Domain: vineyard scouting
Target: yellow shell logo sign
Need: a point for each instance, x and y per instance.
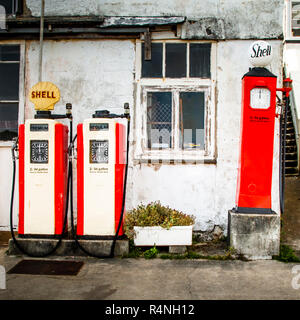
(44, 95)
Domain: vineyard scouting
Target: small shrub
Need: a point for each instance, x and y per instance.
(151, 253)
(286, 254)
(154, 214)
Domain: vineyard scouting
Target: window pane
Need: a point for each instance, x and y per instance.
(9, 53)
(8, 120)
(191, 121)
(152, 68)
(9, 81)
(7, 4)
(200, 60)
(159, 120)
(175, 60)
(295, 18)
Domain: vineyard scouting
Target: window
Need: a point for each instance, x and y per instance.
(11, 6)
(295, 21)
(175, 101)
(9, 90)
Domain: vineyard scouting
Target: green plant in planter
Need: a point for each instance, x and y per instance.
(155, 214)
(151, 253)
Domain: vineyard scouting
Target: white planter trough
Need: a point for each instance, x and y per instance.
(158, 236)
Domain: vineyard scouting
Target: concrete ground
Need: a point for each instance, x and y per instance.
(143, 279)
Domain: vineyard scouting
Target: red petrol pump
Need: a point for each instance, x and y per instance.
(257, 141)
(102, 166)
(257, 133)
(42, 147)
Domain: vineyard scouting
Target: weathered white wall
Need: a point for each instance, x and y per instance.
(207, 190)
(100, 75)
(247, 19)
(291, 60)
(6, 169)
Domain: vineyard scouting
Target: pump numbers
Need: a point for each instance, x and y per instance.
(39, 151)
(98, 151)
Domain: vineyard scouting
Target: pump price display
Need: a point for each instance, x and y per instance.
(98, 126)
(260, 98)
(38, 127)
(39, 151)
(98, 151)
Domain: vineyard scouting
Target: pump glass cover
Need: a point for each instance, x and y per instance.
(260, 98)
(39, 151)
(98, 151)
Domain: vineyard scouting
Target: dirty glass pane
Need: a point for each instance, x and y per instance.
(152, 68)
(159, 120)
(8, 120)
(200, 60)
(191, 120)
(9, 81)
(175, 60)
(9, 53)
(295, 18)
(8, 5)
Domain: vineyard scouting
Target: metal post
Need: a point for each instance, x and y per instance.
(41, 40)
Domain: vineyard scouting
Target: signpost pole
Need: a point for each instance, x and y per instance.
(41, 40)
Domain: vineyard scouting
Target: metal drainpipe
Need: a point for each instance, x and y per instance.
(41, 40)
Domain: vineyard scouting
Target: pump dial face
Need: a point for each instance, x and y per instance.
(98, 151)
(39, 151)
(260, 98)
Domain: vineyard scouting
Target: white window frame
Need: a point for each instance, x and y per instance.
(288, 21)
(21, 101)
(143, 85)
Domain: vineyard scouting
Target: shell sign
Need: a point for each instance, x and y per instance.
(44, 95)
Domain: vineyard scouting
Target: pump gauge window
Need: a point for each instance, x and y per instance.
(98, 151)
(260, 98)
(39, 151)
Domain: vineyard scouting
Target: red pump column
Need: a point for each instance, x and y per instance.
(257, 141)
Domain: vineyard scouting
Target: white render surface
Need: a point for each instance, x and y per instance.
(291, 60)
(99, 74)
(175, 236)
(236, 19)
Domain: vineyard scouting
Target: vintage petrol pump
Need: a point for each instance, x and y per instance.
(101, 159)
(43, 167)
(257, 134)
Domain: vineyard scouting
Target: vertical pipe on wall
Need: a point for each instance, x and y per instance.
(41, 40)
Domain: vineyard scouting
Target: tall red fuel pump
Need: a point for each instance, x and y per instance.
(257, 133)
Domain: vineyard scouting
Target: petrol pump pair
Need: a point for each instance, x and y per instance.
(46, 180)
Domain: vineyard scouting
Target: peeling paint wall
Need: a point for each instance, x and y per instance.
(99, 74)
(292, 64)
(235, 19)
(207, 190)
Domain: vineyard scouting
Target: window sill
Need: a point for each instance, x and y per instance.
(174, 161)
(175, 158)
(6, 144)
